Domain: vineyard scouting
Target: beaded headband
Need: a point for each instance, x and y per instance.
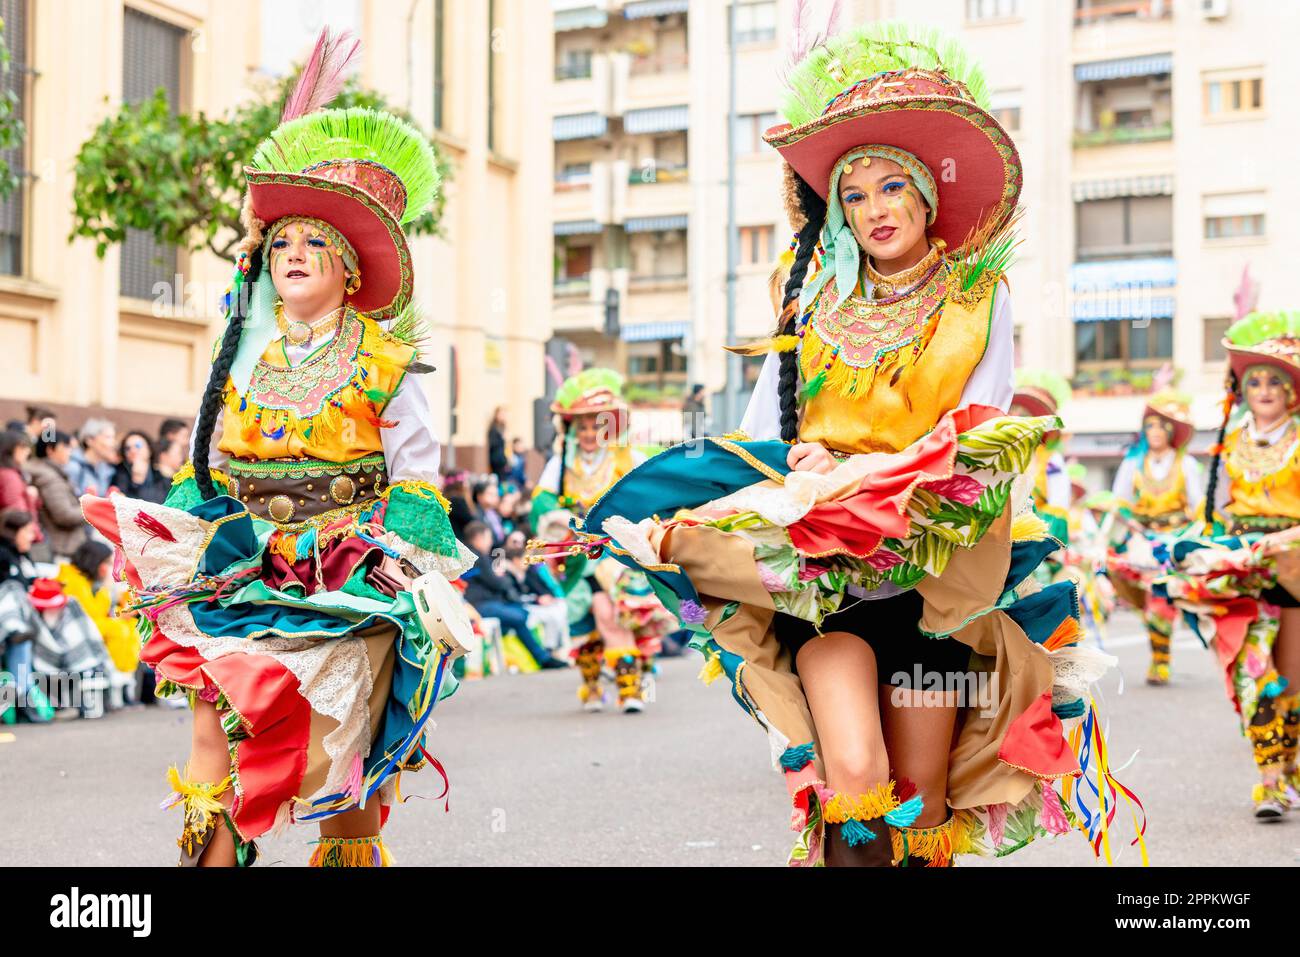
(335, 240)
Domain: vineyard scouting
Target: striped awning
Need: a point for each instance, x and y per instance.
(1127, 304)
(578, 227)
(655, 224)
(1124, 186)
(578, 126)
(1123, 68)
(580, 18)
(1123, 273)
(654, 8)
(647, 331)
(658, 119)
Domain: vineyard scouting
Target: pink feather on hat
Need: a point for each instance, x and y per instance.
(323, 76)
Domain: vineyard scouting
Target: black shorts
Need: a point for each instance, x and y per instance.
(1277, 595)
(890, 626)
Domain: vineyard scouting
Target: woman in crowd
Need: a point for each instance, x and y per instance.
(15, 451)
(60, 512)
(137, 475)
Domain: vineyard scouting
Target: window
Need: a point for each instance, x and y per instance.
(574, 174)
(749, 132)
(1121, 341)
(439, 61)
(1234, 215)
(1233, 96)
(1005, 107)
(755, 22)
(151, 60)
(1215, 329)
(577, 262)
(13, 83)
(573, 65)
(657, 363)
(756, 245)
(992, 9)
(1124, 227)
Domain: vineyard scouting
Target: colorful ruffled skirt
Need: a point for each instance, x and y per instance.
(325, 682)
(1220, 584)
(728, 537)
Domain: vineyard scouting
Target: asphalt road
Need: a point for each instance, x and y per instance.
(686, 783)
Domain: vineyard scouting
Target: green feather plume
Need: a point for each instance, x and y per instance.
(356, 133)
(1261, 326)
(1050, 382)
(588, 380)
(409, 326)
(855, 55)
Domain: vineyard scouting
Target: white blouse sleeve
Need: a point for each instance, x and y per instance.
(1059, 490)
(216, 458)
(410, 449)
(763, 415)
(1122, 487)
(1194, 483)
(992, 382)
(550, 477)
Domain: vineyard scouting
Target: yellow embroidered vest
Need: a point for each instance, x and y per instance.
(1160, 503)
(1263, 481)
(587, 487)
(326, 408)
(893, 367)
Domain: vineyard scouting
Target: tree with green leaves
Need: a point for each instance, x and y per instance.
(12, 129)
(180, 177)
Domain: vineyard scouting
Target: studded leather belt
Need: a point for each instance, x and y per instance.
(289, 491)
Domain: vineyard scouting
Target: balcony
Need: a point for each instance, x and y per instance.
(578, 303)
(582, 85)
(642, 81)
(649, 191)
(1115, 135)
(582, 195)
(1091, 12)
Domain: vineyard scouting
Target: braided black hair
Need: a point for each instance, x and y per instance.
(564, 453)
(1212, 486)
(213, 392)
(813, 208)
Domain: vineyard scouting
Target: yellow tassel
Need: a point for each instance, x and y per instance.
(1028, 527)
(712, 669)
(612, 655)
(875, 803)
(200, 803)
(350, 852)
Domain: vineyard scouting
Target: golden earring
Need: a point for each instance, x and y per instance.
(353, 284)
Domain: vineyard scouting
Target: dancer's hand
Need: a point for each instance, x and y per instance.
(1275, 542)
(810, 457)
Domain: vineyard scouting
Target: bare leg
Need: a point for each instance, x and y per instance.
(919, 738)
(210, 761)
(616, 636)
(838, 671)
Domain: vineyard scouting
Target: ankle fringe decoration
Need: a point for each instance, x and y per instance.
(936, 846)
(201, 806)
(350, 852)
(879, 802)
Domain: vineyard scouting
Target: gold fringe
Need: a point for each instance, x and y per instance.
(938, 845)
(418, 489)
(186, 471)
(875, 803)
(350, 852)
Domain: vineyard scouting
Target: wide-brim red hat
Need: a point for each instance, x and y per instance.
(1176, 414)
(932, 116)
(46, 594)
(1282, 354)
(1036, 401)
(383, 256)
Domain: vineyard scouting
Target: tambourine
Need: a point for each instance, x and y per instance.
(441, 611)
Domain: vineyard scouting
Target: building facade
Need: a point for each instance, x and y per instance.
(1154, 135)
(128, 335)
